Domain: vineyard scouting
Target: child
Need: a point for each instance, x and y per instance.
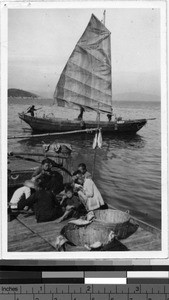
(77, 182)
(73, 207)
(83, 169)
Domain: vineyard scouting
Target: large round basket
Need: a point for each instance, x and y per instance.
(91, 235)
(117, 221)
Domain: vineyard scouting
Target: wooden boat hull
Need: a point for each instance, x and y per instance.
(46, 125)
(16, 180)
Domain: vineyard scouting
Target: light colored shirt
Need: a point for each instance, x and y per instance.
(87, 175)
(94, 198)
(22, 193)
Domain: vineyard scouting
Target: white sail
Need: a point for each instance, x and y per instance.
(86, 78)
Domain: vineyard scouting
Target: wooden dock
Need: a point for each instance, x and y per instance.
(26, 235)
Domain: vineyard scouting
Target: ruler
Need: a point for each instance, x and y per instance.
(84, 292)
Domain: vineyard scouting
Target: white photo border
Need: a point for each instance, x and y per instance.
(5, 6)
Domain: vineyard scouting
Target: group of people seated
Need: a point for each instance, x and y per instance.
(49, 199)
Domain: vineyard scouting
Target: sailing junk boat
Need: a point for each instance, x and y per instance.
(86, 82)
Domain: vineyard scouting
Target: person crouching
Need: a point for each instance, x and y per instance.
(43, 203)
(22, 193)
(71, 204)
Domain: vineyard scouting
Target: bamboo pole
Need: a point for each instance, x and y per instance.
(12, 154)
(53, 134)
(56, 165)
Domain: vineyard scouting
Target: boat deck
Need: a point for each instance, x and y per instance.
(26, 235)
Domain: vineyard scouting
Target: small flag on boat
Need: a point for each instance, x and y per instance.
(97, 142)
(99, 139)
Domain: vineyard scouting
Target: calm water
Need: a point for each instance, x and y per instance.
(127, 170)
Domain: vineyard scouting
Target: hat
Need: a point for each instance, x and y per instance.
(30, 184)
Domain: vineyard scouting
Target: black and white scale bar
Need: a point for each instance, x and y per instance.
(81, 277)
(148, 277)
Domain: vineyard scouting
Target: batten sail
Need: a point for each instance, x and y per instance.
(86, 78)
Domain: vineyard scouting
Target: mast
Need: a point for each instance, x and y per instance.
(104, 17)
(104, 22)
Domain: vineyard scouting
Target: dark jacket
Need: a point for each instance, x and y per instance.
(72, 201)
(45, 206)
(78, 207)
(53, 180)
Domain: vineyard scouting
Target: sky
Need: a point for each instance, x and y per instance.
(40, 42)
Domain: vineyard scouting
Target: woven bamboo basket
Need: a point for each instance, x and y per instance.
(83, 238)
(117, 221)
(87, 235)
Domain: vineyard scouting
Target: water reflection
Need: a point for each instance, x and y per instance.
(129, 142)
(86, 140)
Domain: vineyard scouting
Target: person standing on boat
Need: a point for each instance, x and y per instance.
(109, 116)
(44, 204)
(53, 180)
(31, 110)
(80, 116)
(90, 195)
(83, 169)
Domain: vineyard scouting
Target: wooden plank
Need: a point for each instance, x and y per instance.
(39, 227)
(52, 229)
(22, 239)
(146, 226)
(141, 240)
(154, 245)
(137, 235)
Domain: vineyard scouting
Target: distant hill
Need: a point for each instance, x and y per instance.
(136, 97)
(20, 93)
